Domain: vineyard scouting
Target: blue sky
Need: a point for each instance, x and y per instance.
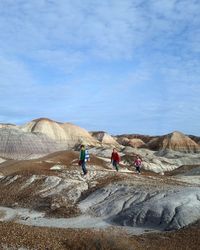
(123, 66)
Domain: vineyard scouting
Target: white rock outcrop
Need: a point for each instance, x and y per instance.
(162, 209)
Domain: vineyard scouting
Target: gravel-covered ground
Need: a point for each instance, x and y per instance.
(15, 236)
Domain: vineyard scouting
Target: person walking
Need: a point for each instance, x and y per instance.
(115, 159)
(82, 159)
(138, 164)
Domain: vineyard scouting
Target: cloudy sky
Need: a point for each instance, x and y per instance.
(123, 66)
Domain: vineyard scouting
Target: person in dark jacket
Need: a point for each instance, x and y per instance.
(115, 159)
(82, 159)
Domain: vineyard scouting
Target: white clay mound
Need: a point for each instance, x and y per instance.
(165, 210)
(65, 133)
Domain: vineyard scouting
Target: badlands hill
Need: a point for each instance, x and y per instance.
(65, 133)
(176, 141)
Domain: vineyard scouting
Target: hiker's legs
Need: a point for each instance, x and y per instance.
(138, 169)
(116, 165)
(84, 167)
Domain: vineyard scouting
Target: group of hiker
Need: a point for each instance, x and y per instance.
(115, 160)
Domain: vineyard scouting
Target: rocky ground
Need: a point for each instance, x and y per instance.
(46, 203)
(16, 236)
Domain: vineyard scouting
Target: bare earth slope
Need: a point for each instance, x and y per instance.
(17, 144)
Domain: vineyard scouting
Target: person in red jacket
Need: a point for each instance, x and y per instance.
(115, 159)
